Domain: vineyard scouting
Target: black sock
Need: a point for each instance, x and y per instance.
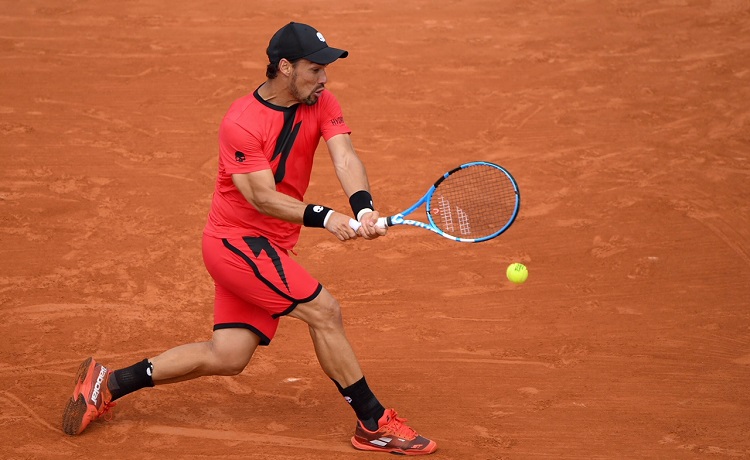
(130, 379)
(363, 401)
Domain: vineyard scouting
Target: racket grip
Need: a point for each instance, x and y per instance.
(382, 223)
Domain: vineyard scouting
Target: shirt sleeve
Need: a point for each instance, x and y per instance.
(331, 117)
(240, 151)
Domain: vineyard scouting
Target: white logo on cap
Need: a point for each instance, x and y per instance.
(320, 37)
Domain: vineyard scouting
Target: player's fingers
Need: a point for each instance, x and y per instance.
(368, 224)
(346, 233)
(374, 230)
(372, 233)
(339, 225)
(369, 237)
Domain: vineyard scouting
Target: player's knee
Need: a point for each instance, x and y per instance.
(230, 362)
(231, 350)
(232, 366)
(330, 313)
(323, 314)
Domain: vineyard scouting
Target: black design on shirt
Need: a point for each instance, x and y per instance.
(285, 142)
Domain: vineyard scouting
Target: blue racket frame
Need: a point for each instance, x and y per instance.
(399, 219)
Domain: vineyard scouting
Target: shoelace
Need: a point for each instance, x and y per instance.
(107, 411)
(398, 427)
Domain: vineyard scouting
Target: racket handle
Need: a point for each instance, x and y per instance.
(382, 223)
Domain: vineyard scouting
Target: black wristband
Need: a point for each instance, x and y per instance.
(316, 215)
(361, 201)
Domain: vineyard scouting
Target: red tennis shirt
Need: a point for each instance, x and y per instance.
(256, 135)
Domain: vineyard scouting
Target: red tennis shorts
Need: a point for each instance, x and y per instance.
(256, 283)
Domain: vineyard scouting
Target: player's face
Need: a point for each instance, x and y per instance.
(308, 81)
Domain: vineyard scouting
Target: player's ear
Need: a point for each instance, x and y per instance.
(285, 67)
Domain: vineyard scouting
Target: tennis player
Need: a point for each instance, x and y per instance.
(267, 141)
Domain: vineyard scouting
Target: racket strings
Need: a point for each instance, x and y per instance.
(474, 202)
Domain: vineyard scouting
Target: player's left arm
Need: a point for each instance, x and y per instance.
(352, 175)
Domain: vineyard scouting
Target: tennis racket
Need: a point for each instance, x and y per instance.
(474, 202)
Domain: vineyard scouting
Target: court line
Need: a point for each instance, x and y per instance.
(31, 368)
(13, 399)
(472, 361)
(255, 438)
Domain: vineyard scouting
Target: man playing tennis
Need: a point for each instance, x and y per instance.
(267, 141)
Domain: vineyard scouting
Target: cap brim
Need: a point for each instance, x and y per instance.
(326, 55)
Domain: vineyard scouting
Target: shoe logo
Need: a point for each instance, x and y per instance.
(98, 385)
(381, 442)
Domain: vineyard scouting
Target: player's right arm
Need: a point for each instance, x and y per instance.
(259, 189)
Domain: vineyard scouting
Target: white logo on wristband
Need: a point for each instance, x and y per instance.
(317, 208)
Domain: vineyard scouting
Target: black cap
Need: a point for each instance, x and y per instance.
(295, 41)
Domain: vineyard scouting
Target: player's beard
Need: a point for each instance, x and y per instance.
(310, 99)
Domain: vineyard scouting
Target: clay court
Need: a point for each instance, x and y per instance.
(626, 124)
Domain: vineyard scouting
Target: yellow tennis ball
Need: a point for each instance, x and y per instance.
(517, 273)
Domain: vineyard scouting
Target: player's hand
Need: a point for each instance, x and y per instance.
(369, 229)
(338, 224)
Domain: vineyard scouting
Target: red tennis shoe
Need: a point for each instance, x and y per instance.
(91, 397)
(393, 436)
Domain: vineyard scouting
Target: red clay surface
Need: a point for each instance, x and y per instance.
(625, 123)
